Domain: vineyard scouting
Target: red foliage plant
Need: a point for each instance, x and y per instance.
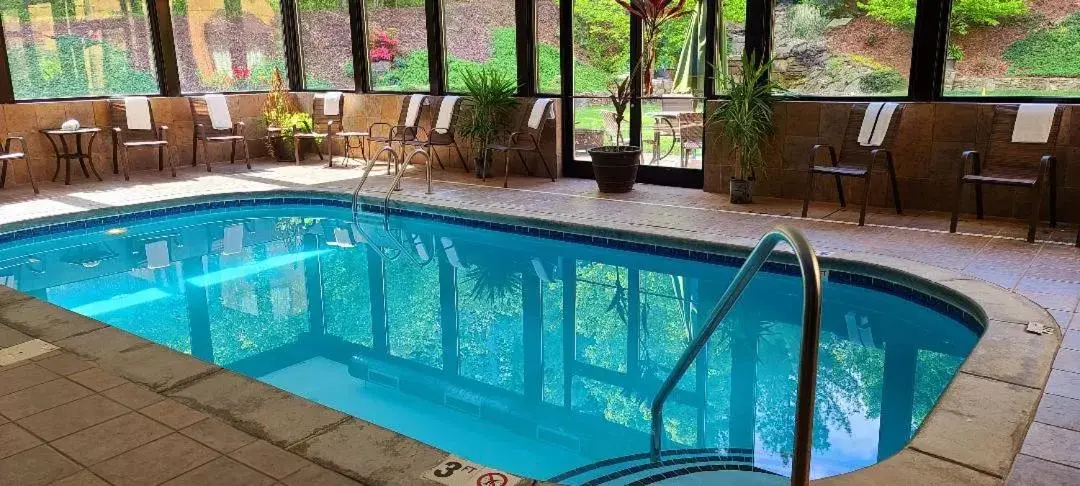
(384, 46)
(241, 72)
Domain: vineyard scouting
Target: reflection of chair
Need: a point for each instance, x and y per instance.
(1009, 163)
(856, 158)
(527, 138)
(133, 128)
(691, 135)
(213, 124)
(6, 156)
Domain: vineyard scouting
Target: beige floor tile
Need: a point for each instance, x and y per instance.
(97, 379)
(105, 440)
(38, 466)
(132, 395)
(155, 462)
(81, 478)
(222, 471)
(22, 377)
(172, 414)
(315, 475)
(269, 459)
(15, 439)
(65, 364)
(217, 435)
(41, 397)
(72, 417)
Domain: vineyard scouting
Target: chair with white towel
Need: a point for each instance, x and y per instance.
(527, 138)
(213, 124)
(133, 127)
(406, 129)
(327, 112)
(868, 138)
(1020, 154)
(444, 131)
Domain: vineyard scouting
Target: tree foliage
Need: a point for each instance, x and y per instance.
(966, 14)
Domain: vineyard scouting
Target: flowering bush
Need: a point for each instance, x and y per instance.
(384, 46)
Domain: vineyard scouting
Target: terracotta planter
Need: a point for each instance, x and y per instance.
(742, 191)
(615, 167)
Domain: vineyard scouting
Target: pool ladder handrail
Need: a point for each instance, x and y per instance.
(808, 356)
(396, 159)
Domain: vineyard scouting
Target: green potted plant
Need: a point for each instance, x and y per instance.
(615, 166)
(746, 120)
(488, 103)
(281, 113)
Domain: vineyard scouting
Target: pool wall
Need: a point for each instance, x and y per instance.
(970, 437)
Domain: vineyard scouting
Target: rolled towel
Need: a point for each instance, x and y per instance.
(881, 128)
(866, 131)
(413, 112)
(539, 110)
(331, 103)
(218, 108)
(1033, 123)
(137, 109)
(446, 114)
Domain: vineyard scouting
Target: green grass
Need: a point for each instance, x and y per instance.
(590, 117)
(1048, 52)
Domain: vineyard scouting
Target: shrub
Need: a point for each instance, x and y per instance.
(804, 21)
(965, 14)
(1048, 52)
(880, 81)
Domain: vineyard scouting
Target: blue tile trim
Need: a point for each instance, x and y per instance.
(835, 276)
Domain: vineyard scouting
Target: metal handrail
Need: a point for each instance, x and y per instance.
(393, 157)
(811, 334)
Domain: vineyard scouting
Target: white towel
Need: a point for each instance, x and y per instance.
(868, 122)
(234, 239)
(541, 271)
(1033, 122)
(413, 112)
(539, 111)
(331, 100)
(138, 112)
(157, 254)
(881, 128)
(421, 250)
(446, 113)
(218, 106)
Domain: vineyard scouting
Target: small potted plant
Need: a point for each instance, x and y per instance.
(282, 114)
(488, 103)
(615, 166)
(746, 120)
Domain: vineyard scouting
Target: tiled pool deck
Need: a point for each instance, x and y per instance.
(1047, 272)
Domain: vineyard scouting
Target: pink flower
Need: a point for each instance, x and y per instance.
(241, 72)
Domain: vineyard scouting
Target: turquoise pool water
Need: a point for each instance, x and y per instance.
(523, 352)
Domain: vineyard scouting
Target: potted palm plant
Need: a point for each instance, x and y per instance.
(746, 122)
(488, 103)
(615, 166)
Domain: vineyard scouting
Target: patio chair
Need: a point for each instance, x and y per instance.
(405, 129)
(133, 127)
(611, 129)
(8, 156)
(444, 130)
(1009, 163)
(691, 135)
(216, 127)
(857, 159)
(527, 138)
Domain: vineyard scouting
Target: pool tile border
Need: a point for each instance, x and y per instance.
(991, 305)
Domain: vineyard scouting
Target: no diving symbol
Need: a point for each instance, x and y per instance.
(492, 479)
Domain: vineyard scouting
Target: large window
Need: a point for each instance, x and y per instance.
(844, 48)
(67, 48)
(1013, 48)
(479, 33)
(397, 45)
(601, 55)
(227, 45)
(326, 44)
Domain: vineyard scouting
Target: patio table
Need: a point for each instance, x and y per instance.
(666, 117)
(65, 154)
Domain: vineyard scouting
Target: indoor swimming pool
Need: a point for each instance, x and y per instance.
(534, 352)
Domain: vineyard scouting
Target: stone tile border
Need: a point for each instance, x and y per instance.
(972, 435)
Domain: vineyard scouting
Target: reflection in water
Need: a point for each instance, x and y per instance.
(503, 348)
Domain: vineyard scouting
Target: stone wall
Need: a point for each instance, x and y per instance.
(927, 151)
(26, 119)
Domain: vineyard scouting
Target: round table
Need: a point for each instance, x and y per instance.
(65, 154)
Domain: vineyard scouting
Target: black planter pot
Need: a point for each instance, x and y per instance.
(615, 167)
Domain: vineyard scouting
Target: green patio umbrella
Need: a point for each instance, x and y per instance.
(690, 70)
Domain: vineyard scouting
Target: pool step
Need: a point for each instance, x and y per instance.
(688, 466)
